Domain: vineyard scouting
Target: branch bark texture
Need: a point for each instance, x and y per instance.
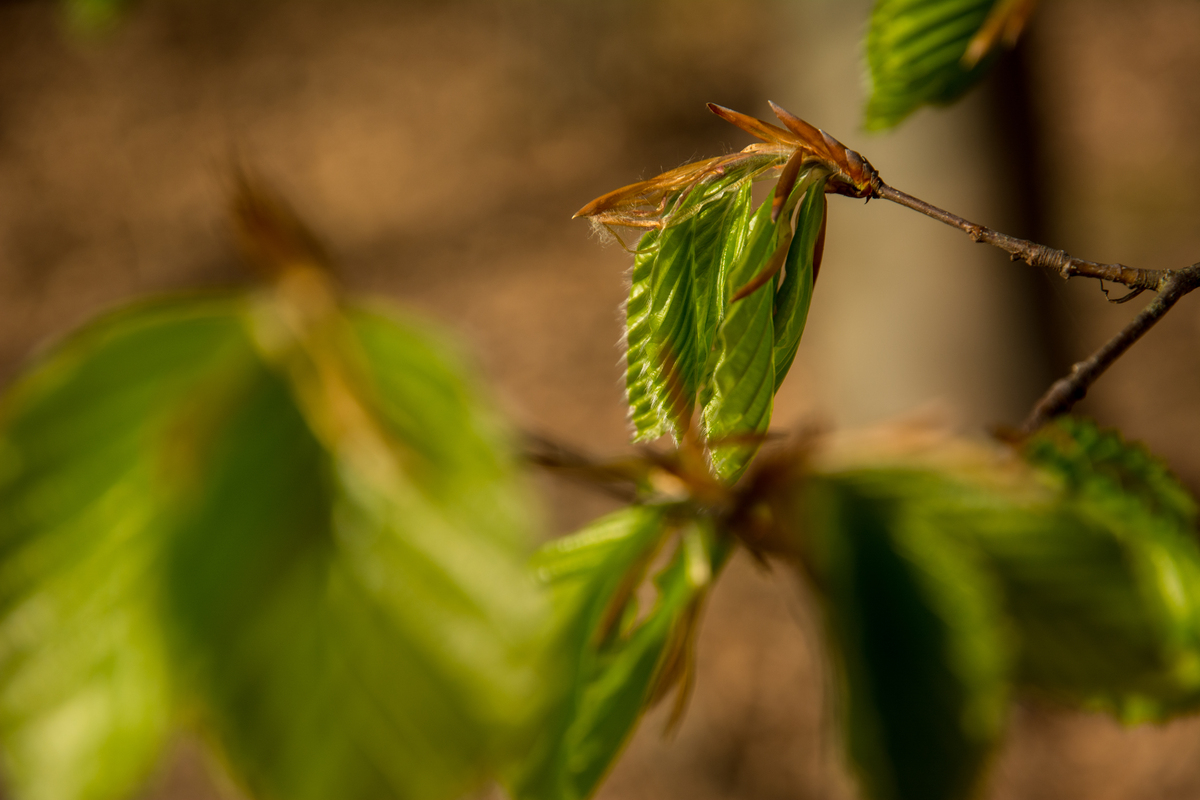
(1038, 255)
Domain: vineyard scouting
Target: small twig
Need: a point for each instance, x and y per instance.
(1038, 255)
(618, 479)
(1069, 390)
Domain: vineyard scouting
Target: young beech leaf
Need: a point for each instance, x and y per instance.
(800, 273)
(739, 397)
(1133, 521)
(346, 586)
(1104, 619)
(676, 305)
(640, 371)
(85, 440)
(915, 52)
(1100, 467)
(701, 323)
(299, 523)
(621, 658)
(916, 632)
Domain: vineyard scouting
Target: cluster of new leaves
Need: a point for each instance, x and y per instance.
(950, 578)
(720, 289)
(1068, 570)
(288, 522)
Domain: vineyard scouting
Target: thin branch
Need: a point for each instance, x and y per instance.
(618, 479)
(1038, 255)
(1069, 390)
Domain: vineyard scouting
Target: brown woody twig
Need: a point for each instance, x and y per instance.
(1171, 285)
(1038, 255)
(1070, 389)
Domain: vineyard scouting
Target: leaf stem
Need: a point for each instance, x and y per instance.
(1071, 388)
(1038, 255)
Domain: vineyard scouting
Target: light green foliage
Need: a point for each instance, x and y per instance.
(916, 629)
(84, 679)
(688, 344)
(677, 302)
(740, 395)
(914, 52)
(309, 539)
(795, 292)
(619, 654)
(944, 591)
(1128, 572)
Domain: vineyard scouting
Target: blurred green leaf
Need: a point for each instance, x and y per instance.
(1099, 593)
(1107, 591)
(302, 523)
(915, 50)
(621, 660)
(916, 631)
(90, 16)
(1121, 479)
(85, 440)
(349, 589)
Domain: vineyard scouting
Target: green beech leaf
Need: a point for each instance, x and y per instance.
(85, 440)
(676, 305)
(621, 661)
(1120, 574)
(915, 50)
(640, 383)
(795, 292)
(739, 399)
(1100, 467)
(1104, 620)
(298, 524)
(1101, 598)
(916, 631)
(347, 587)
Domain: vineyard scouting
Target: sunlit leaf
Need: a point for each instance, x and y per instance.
(299, 525)
(85, 441)
(1109, 599)
(739, 398)
(915, 52)
(916, 631)
(623, 658)
(676, 305)
(795, 292)
(1102, 468)
(640, 372)
(357, 621)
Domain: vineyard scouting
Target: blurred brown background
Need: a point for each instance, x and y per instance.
(441, 148)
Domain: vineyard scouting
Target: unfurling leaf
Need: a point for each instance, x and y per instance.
(622, 659)
(677, 302)
(932, 51)
(300, 527)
